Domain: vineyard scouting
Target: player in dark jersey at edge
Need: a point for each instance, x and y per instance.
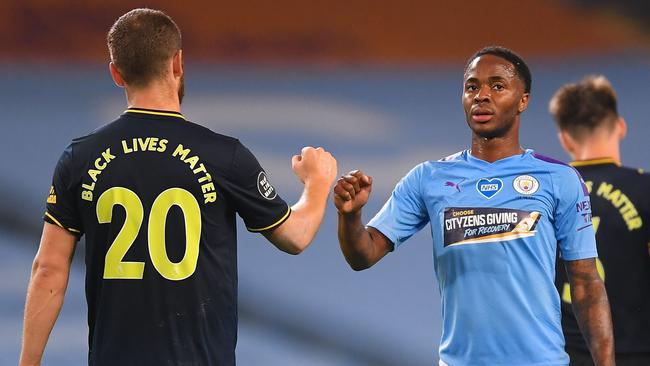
(497, 213)
(156, 197)
(590, 130)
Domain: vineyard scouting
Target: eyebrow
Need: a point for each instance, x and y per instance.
(490, 79)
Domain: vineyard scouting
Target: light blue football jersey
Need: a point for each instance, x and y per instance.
(496, 228)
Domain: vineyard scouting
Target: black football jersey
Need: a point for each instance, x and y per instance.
(156, 197)
(620, 199)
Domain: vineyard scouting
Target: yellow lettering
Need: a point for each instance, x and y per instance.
(93, 174)
(162, 145)
(200, 169)
(107, 155)
(604, 189)
(143, 143)
(635, 223)
(207, 177)
(153, 144)
(208, 187)
(615, 198)
(98, 165)
(126, 149)
(182, 152)
(210, 197)
(87, 195)
(90, 187)
(590, 185)
(192, 161)
(623, 204)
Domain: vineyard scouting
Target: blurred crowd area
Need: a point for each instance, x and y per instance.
(378, 83)
(357, 32)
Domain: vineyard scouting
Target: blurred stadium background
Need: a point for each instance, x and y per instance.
(376, 82)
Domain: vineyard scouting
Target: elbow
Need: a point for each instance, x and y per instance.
(296, 247)
(358, 268)
(358, 265)
(49, 273)
(294, 250)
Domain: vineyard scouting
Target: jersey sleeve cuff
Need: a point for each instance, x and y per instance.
(48, 217)
(274, 225)
(395, 242)
(574, 256)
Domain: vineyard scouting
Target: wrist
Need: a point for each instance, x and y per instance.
(350, 216)
(318, 185)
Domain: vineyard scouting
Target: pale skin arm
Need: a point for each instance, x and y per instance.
(590, 304)
(46, 290)
(362, 246)
(316, 169)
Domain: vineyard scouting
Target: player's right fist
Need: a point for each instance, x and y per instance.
(351, 192)
(315, 165)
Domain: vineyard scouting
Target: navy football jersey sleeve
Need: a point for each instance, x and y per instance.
(255, 199)
(61, 208)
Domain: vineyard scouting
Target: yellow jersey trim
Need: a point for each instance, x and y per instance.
(594, 162)
(155, 113)
(59, 224)
(274, 224)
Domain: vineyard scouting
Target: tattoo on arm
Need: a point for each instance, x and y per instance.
(591, 307)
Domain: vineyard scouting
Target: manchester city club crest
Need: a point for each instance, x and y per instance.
(526, 184)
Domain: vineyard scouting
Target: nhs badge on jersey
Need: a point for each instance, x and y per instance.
(489, 187)
(526, 184)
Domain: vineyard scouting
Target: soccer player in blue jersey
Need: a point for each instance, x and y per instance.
(498, 213)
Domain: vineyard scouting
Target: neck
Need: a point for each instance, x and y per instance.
(495, 148)
(595, 149)
(154, 96)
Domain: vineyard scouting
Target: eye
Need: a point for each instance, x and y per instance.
(498, 86)
(471, 87)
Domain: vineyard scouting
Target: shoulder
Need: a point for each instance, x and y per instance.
(208, 133)
(453, 157)
(562, 175)
(427, 170)
(555, 167)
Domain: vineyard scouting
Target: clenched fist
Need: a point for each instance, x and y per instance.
(314, 165)
(351, 192)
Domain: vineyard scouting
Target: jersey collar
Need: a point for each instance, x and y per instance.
(507, 159)
(597, 161)
(154, 112)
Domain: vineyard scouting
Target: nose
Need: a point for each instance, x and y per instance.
(483, 94)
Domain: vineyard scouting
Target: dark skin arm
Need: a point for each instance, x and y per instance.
(361, 246)
(591, 308)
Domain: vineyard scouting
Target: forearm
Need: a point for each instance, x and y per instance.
(295, 234)
(310, 210)
(356, 242)
(44, 300)
(592, 311)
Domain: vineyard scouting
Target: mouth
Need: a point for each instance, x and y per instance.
(482, 115)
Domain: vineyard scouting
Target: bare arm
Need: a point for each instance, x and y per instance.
(361, 246)
(50, 272)
(316, 168)
(591, 307)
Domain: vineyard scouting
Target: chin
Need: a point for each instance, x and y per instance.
(489, 132)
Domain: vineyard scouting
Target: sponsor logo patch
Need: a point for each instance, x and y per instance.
(489, 187)
(525, 184)
(51, 198)
(469, 225)
(264, 186)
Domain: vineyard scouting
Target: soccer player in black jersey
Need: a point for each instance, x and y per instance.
(590, 131)
(156, 196)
